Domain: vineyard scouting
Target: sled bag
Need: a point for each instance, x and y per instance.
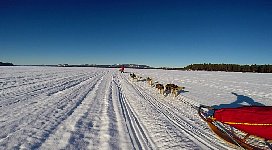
(254, 120)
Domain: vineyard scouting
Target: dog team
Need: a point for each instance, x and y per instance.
(164, 90)
(136, 78)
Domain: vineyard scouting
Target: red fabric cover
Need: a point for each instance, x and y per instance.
(248, 114)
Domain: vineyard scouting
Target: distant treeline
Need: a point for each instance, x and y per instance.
(6, 64)
(108, 66)
(231, 67)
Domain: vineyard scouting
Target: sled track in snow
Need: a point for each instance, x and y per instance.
(137, 134)
(97, 122)
(181, 123)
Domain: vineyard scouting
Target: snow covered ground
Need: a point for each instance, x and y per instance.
(94, 108)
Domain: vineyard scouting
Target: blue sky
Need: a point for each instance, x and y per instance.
(172, 33)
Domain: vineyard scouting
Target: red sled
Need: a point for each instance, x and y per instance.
(249, 127)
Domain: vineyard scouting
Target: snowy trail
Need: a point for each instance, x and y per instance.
(64, 134)
(136, 131)
(95, 124)
(95, 108)
(171, 120)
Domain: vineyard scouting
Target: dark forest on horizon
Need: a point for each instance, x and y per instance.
(6, 64)
(230, 68)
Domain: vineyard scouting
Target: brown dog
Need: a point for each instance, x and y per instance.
(168, 87)
(160, 87)
(176, 89)
(173, 89)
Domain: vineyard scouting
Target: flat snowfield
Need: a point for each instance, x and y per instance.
(94, 108)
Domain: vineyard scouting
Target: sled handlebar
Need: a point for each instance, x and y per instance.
(200, 111)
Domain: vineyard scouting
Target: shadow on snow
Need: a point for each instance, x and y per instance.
(240, 101)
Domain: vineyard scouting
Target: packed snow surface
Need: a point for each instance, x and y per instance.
(95, 108)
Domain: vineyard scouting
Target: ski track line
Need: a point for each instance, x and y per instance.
(165, 135)
(142, 131)
(96, 115)
(173, 117)
(46, 118)
(99, 136)
(136, 131)
(183, 120)
(184, 125)
(126, 140)
(124, 112)
(97, 125)
(106, 133)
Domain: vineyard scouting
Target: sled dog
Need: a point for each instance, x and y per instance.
(133, 76)
(160, 87)
(173, 89)
(149, 81)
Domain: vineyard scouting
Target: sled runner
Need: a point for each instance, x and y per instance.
(249, 127)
